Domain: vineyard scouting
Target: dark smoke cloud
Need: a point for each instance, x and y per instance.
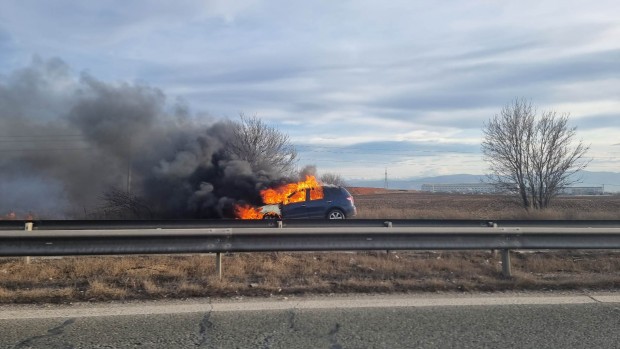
(66, 140)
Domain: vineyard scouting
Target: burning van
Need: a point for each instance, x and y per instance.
(307, 199)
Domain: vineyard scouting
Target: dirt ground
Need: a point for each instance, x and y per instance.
(276, 274)
(413, 205)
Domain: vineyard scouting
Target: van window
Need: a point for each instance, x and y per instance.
(298, 196)
(316, 193)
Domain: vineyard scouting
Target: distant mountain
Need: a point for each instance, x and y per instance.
(416, 183)
(610, 180)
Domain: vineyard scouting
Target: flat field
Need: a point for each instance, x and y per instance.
(279, 274)
(419, 205)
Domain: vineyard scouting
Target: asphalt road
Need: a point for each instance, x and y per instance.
(411, 321)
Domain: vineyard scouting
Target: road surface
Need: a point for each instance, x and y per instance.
(378, 321)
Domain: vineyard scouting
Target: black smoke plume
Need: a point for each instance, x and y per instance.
(67, 142)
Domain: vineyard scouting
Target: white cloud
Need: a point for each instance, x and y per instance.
(580, 110)
(344, 72)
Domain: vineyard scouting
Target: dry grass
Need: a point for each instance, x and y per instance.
(253, 274)
(264, 274)
(414, 205)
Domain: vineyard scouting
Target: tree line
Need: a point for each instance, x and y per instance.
(530, 154)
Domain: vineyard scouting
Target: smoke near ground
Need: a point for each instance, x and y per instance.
(68, 141)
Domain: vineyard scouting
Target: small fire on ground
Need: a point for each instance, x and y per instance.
(284, 194)
(11, 216)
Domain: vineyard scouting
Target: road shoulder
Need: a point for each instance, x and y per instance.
(196, 305)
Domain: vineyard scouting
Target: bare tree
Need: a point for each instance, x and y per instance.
(333, 178)
(534, 157)
(263, 146)
(124, 204)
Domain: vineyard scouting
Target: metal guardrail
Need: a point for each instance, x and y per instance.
(154, 241)
(335, 238)
(298, 223)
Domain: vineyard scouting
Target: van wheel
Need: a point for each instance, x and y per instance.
(271, 216)
(335, 214)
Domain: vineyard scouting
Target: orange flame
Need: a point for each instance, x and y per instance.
(284, 194)
(13, 216)
(247, 212)
(9, 216)
(293, 192)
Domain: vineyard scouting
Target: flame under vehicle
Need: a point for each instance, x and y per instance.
(305, 199)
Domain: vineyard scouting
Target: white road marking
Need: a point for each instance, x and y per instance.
(8, 312)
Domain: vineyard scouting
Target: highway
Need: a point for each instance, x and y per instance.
(568, 320)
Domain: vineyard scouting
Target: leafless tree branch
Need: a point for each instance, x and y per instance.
(533, 157)
(263, 147)
(333, 178)
(124, 204)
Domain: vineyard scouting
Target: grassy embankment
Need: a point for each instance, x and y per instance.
(252, 274)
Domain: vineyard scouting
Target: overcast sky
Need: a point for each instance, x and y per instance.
(360, 86)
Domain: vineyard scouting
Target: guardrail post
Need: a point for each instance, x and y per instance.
(218, 264)
(28, 227)
(506, 269)
(493, 225)
(388, 224)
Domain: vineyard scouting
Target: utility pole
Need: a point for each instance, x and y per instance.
(129, 172)
(385, 184)
(129, 179)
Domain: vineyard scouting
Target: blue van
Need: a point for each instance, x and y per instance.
(337, 203)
